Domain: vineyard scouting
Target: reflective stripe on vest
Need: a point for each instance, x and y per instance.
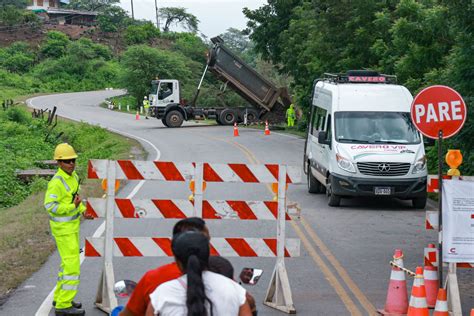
(63, 181)
(49, 205)
(65, 218)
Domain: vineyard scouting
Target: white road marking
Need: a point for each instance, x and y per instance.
(47, 304)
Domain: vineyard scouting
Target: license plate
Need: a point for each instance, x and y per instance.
(382, 190)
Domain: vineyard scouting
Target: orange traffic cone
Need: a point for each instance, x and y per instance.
(418, 305)
(441, 308)
(472, 312)
(267, 130)
(137, 116)
(236, 130)
(430, 275)
(397, 297)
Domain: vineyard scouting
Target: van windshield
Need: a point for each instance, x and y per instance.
(375, 128)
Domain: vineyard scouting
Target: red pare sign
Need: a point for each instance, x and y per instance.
(438, 108)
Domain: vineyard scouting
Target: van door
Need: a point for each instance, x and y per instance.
(316, 151)
(326, 150)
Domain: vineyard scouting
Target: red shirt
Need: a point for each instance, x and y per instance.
(140, 298)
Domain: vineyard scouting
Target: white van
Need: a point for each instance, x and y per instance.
(361, 140)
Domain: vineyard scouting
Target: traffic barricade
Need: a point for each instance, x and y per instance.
(278, 294)
(431, 254)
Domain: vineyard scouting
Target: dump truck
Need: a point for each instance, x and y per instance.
(265, 100)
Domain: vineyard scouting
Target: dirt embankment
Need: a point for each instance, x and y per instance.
(35, 34)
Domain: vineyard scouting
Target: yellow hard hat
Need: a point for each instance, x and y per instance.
(64, 151)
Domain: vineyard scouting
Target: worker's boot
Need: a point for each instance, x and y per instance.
(74, 304)
(70, 311)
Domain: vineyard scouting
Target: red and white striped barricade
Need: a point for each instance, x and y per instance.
(432, 182)
(279, 292)
(161, 247)
(177, 208)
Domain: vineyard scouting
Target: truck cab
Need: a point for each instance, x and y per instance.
(361, 140)
(165, 102)
(164, 92)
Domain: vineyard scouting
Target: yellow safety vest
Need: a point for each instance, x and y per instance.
(146, 104)
(64, 217)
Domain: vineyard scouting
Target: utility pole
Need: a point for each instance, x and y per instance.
(156, 12)
(133, 16)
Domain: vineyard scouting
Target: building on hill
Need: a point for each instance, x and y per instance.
(53, 11)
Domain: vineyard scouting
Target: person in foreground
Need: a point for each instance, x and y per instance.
(140, 298)
(198, 292)
(64, 206)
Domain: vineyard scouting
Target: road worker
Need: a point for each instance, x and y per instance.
(64, 206)
(291, 115)
(146, 106)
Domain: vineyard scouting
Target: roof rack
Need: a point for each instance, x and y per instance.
(360, 76)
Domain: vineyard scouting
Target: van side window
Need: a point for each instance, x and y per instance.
(318, 120)
(328, 128)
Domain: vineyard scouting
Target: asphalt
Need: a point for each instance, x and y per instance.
(343, 268)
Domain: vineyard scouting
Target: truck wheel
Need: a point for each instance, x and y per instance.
(164, 122)
(228, 117)
(419, 203)
(174, 119)
(218, 121)
(313, 184)
(252, 115)
(334, 200)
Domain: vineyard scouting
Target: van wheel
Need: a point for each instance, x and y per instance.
(334, 200)
(419, 203)
(313, 184)
(174, 119)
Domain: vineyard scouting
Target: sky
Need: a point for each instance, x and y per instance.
(215, 16)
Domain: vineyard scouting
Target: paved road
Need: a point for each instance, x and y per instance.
(344, 267)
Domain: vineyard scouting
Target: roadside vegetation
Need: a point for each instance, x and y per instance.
(422, 42)
(25, 240)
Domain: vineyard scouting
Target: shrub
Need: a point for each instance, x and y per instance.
(55, 45)
(18, 115)
(141, 34)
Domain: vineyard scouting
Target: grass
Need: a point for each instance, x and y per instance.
(25, 239)
(281, 128)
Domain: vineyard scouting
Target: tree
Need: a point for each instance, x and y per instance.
(178, 16)
(237, 40)
(142, 64)
(267, 23)
(19, 4)
(92, 5)
(191, 46)
(14, 14)
(113, 19)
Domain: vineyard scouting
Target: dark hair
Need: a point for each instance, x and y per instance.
(191, 223)
(222, 266)
(191, 250)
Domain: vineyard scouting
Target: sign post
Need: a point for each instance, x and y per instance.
(439, 112)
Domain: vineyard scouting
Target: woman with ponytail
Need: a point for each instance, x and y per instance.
(198, 292)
